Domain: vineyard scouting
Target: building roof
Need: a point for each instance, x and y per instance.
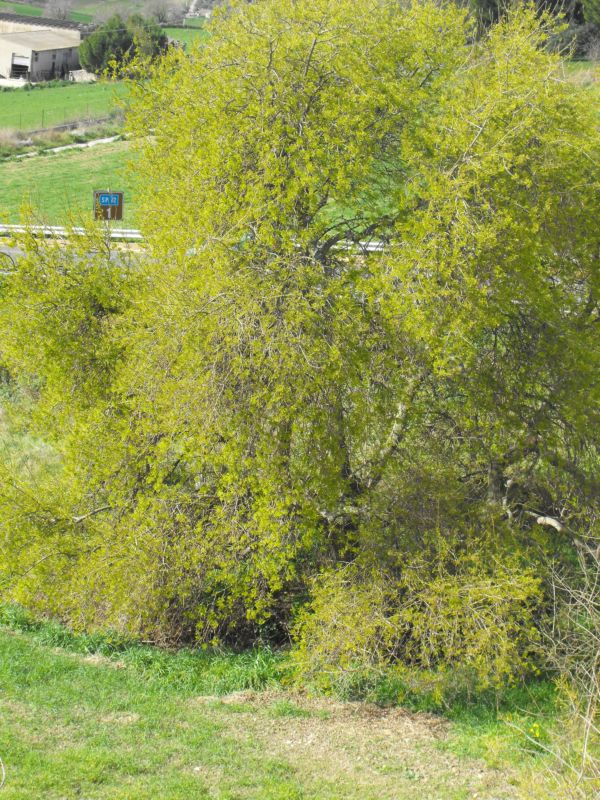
(40, 22)
(40, 40)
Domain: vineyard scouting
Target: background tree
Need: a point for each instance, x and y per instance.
(58, 9)
(117, 39)
(149, 38)
(577, 33)
(168, 10)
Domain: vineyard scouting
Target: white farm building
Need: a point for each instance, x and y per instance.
(39, 54)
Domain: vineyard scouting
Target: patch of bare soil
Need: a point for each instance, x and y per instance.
(388, 754)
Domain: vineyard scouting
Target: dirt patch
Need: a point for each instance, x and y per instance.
(378, 753)
(367, 715)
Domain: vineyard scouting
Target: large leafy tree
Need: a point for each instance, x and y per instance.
(263, 398)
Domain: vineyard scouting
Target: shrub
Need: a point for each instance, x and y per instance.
(468, 612)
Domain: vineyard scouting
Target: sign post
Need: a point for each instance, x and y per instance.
(108, 205)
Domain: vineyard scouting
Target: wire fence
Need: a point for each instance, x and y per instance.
(41, 119)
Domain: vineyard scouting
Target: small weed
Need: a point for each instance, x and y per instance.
(285, 708)
(235, 708)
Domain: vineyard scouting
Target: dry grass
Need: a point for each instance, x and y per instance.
(373, 752)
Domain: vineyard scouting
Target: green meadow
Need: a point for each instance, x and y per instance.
(188, 35)
(81, 10)
(92, 8)
(59, 187)
(48, 106)
(21, 8)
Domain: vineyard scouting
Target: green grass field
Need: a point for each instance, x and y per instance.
(91, 8)
(195, 22)
(96, 718)
(82, 10)
(46, 107)
(60, 186)
(187, 35)
(21, 8)
(585, 74)
(579, 65)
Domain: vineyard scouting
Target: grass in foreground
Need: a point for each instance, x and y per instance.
(94, 716)
(43, 107)
(59, 186)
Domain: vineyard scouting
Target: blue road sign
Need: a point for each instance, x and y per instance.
(108, 205)
(108, 200)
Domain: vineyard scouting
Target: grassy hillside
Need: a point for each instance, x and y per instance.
(48, 106)
(59, 186)
(195, 22)
(35, 10)
(92, 717)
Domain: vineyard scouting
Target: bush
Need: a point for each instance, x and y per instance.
(451, 608)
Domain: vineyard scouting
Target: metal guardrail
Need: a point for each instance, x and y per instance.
(134, 235)
(56, 232)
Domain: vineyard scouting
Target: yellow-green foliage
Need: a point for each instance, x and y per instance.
(471, 609)
(256, 401)
(347, 626)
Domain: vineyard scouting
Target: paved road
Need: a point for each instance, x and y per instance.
(7, 257)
